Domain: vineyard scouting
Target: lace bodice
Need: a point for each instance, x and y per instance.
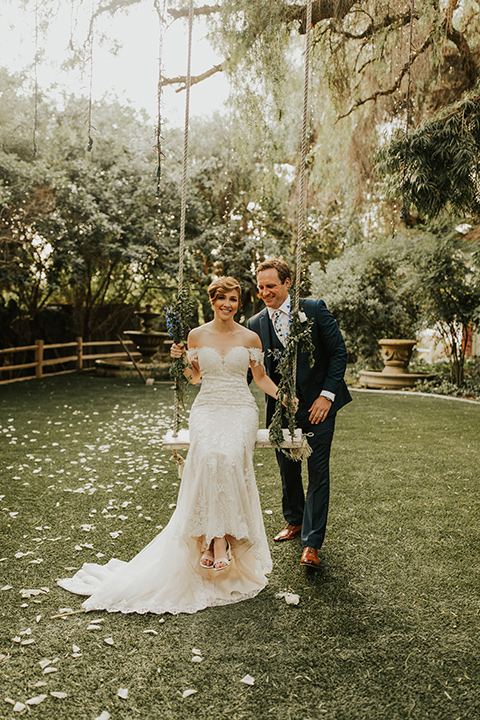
(235, 360)
(224, 377)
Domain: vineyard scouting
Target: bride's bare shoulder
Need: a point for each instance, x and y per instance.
(196, 337)
(250, 338)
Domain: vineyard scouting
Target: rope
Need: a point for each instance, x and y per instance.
(90, 90)
(35, 71)
(403, 212)
(302, 202)
(158, 133)
(183, 205)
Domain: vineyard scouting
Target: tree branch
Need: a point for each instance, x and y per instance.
(388, 21)
(389, 91)
(469, 64)
(181, 80)
(204, 10)
(321, 10)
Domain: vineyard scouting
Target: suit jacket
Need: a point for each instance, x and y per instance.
(330, 357)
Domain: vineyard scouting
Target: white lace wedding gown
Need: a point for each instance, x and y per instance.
(218, 496)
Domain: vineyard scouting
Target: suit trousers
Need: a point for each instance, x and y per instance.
(309, 510)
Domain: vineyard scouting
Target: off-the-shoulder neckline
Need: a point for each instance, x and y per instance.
(210, 347)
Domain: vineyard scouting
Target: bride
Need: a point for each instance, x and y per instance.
(214, 549)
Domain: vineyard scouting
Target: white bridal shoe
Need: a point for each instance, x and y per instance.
(225, 560)
(207, 557)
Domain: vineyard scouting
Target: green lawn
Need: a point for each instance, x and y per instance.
(388, 628)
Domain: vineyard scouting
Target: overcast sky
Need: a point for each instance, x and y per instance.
(132, 75)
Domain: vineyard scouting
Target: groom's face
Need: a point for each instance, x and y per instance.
(271, 289)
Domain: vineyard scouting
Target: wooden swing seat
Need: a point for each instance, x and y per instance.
(181, 441)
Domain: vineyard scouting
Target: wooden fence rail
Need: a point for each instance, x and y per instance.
(80, 356)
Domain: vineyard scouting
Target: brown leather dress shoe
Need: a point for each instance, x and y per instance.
(288, 533)
(310, 558)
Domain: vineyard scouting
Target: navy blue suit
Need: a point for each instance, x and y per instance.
(327, 373)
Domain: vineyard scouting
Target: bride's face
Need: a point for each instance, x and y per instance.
(226, 304)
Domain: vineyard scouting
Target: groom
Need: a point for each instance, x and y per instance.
(321, 392)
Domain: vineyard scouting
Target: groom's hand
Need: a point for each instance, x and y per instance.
(319, 410)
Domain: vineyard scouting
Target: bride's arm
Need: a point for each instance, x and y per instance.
(258, 369)
(261, 378)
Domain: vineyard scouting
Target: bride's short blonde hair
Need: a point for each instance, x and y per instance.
(223, 285)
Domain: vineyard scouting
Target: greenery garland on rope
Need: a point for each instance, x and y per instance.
(299, 336)
(178, 318)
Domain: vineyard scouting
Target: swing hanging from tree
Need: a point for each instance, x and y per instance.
(290, 440)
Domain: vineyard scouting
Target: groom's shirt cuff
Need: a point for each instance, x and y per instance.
(327, 394)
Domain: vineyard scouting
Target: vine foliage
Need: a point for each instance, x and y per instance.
(299, 337)
(178, 318)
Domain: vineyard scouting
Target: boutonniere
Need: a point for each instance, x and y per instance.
(302, 317)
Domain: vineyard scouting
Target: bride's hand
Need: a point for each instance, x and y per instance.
(177, 351)
(293, 403)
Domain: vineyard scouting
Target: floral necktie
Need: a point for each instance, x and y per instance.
(279, 326)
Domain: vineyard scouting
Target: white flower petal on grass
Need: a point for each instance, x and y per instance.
(9, 700)
(36, 700)
(27, 642)
(197, 659)
(292, 598)
(75, 648)
(152, 632)
(49, 670)
(33, 592)
(123, 693)
(196, 651)
(19, 706)
(94, 627)
(44, 663)
(59, 695)
(289, 597)
(187, 693)
(248, 680)
(103, 716)
(7, 587)
(76, 655)
(268, 512)
(109, 641)
(28, 631)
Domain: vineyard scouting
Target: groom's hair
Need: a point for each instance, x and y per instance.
(276, 264)
(223, 285)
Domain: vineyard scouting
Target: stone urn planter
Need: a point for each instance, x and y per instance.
(396, 355)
